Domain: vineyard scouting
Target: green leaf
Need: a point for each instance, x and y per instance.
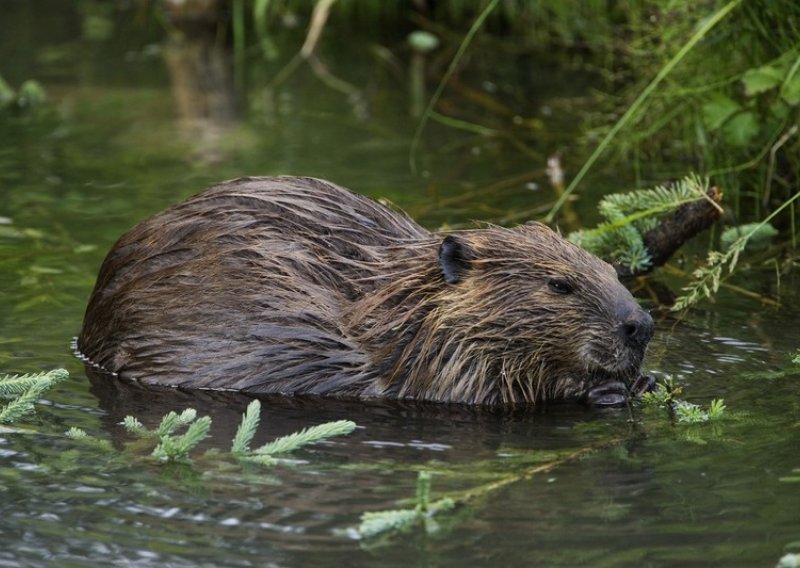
(762, 79)
(741, 129)
(790, 91)
(718, 110)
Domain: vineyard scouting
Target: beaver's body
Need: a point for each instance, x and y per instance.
(295, 285)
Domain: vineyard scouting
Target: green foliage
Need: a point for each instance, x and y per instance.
(30, 94)
(708, 278)
(665, 394)
(630, 215)
(306, 436)
(796, 358)
(172, 447)
(23, 391)
(790, 560)
(733, 102)
(688, 413)
(176, 448)
(247, 429)
(79, 435)
(401, 520)
(264, 454)
(760, 235)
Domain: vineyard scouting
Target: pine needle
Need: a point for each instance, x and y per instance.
(306, 436)
(247, 429)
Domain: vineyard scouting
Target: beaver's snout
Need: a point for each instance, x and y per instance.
(637, 329)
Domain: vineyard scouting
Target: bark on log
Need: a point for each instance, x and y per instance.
(674, 230)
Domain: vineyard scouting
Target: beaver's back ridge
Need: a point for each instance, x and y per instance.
(298, 286)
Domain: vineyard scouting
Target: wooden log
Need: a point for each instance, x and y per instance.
(673, 231)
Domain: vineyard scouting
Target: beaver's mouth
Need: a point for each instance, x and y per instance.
(606, 388)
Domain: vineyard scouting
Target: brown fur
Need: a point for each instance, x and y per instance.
(295, 285)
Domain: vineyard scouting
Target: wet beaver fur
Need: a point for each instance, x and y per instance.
(297, 286)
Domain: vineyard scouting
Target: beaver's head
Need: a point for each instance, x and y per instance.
(549, 319)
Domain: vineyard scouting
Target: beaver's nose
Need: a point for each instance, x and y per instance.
(637, 330)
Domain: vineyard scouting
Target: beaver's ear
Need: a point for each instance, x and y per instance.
(455, 258)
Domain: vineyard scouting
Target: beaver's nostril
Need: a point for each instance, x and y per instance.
(637, 330)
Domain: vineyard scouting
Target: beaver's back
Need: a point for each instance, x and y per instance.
(243, 287)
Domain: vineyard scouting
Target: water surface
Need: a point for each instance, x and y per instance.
(114, 145)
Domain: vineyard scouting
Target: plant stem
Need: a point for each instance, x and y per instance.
(412, 162)
(643, 96)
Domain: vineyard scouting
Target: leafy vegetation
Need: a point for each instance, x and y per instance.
(22, 391)
(172, 447)
(265, 455)
(30, 94)
(401, 520)
(630, 215)
(665, 395)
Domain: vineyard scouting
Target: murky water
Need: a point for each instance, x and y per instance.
(111, 148)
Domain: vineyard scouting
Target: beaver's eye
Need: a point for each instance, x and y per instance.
(560, 286)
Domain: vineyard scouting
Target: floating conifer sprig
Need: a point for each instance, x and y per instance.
(24, 390)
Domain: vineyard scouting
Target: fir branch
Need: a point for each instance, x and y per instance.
(172, 421)
(133, 426)
(629, 216)
(399, 520)
(176, 449)
(76, 434)
(22, 405)
(25, 390)
(80, 435)
(375, 523)
(247, 429)
(306, 436)
(12, 386)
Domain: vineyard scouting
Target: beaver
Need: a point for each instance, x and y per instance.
(295, 285)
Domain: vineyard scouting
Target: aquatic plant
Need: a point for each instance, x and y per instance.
(22, 391)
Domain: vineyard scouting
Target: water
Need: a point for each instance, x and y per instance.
(111, 148)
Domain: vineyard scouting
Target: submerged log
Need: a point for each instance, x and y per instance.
(673, 231)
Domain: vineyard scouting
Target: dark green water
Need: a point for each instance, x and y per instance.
(110, 149)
